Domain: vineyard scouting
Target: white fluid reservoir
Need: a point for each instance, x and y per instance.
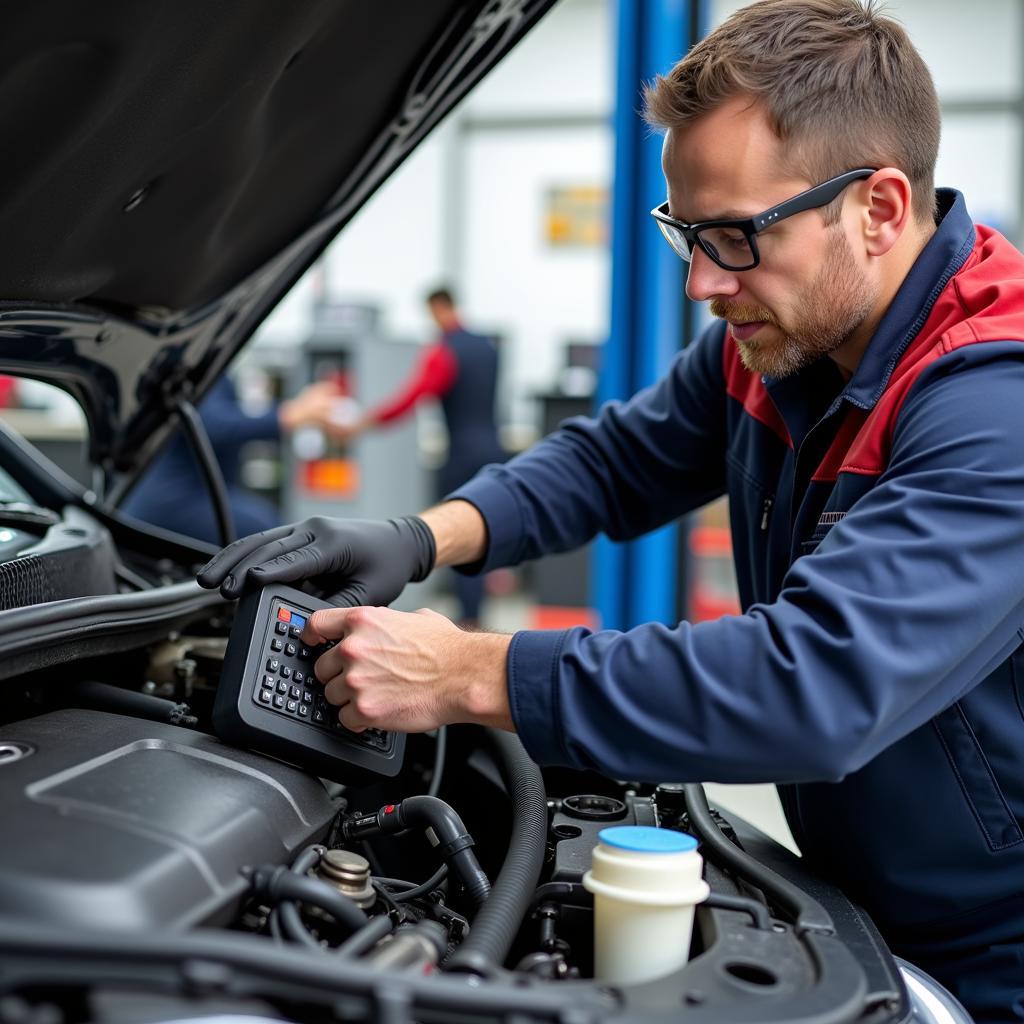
(646, 883)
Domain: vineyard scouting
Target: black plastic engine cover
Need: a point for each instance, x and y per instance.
(123, 823)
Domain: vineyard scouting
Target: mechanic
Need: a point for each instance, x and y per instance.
(460, 369)
(862, 406)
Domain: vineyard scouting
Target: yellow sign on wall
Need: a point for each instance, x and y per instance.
(576, 215)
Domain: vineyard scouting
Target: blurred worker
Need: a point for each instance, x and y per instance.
(861, 405)
(172, 492)
(460, 369)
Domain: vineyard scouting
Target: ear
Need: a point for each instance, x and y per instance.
(886, 214)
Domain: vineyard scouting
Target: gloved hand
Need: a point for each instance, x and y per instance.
(359, 561)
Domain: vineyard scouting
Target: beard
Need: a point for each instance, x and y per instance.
(835, 304)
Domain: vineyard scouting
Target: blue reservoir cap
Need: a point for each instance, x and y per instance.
(644, 839)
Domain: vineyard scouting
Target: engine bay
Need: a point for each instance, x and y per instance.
(151, 870)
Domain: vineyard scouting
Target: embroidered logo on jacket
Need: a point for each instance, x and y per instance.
(830, 519)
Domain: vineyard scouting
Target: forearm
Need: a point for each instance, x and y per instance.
(482, 693)
(459, 531)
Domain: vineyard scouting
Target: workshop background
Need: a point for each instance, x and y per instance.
(514, 201)
(531, 201)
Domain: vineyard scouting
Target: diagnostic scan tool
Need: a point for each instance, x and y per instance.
(270, 700)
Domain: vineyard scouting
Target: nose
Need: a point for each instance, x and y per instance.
(707, 280)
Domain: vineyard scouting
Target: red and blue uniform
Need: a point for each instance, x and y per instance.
(461, 371)
(877, 671)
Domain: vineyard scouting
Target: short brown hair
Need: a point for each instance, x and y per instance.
(843, 87)
(443, 295)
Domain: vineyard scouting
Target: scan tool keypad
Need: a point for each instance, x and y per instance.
(288, 685)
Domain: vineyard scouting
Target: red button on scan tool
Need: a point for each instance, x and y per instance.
(284, 614)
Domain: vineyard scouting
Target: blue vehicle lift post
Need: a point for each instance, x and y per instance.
(639, 581)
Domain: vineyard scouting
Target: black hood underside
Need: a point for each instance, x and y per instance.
(159, 152)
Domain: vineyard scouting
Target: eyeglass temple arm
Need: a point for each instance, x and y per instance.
(812, 199)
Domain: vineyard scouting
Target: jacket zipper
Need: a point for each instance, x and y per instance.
(766, 512)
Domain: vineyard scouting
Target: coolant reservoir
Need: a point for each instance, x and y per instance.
(646, 883)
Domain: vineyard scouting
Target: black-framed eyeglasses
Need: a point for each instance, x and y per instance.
(732, 243)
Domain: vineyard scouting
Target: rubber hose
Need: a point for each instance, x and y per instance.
(366, 938)
(279, 884)
(498, 921)
(430, 812)
(439, 752)
(286, 914)
(758, 911)
(199, 441)
(421, 890)
(290, 926)
(130, 702)
(807, 913)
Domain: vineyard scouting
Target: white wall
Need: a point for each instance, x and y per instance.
(536, 296)
(972, 49)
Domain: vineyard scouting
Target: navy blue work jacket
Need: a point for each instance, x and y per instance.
(469, 408)
(877, 671)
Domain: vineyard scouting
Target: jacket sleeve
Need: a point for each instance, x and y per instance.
(909, 602)
(433, 377)
(227, 425)
(636, 466)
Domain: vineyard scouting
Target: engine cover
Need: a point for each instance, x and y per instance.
(124, 823)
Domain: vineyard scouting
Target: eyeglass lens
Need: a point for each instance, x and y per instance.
(726, 246)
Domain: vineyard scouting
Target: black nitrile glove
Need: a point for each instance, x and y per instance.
(358, 561)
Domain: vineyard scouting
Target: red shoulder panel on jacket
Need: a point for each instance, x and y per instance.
(983, 301)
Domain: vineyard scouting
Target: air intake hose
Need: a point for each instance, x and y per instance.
(496, 924)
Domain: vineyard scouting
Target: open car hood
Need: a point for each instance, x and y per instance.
(171, 169)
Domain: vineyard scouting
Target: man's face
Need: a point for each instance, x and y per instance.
(442, 314)
(810, 291)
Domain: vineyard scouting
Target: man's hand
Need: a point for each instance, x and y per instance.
(409, 671)
(313, 406)
(346, 432)
(364, 561)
